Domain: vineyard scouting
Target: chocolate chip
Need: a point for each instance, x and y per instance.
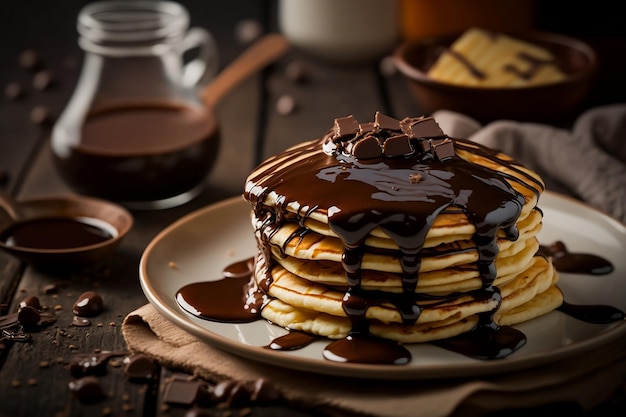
(13, 91)
(43, 80)
(29, 59)
(28, 316)
(50, 289)
(140, 368)
(88, 304)
(87, 390)
(32, 301)
(398, 145)
(285, 105)
(40, 115)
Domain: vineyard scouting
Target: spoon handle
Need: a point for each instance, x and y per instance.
(9, 207)
(263, 52)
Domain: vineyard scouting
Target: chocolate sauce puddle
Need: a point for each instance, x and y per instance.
(575, 263)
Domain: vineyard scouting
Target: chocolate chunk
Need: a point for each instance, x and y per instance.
(50, 289)
(13, 91)
(88, 304)
(231, 392)
(28, 316)
(87, 390)
(398, 145)
(365, 148)
(31, 301)
(264, 391)
(40, 115)
(43, 80)
(29, 59)
(425, 127)
(345, 126)
(140, 368)
(386, 122)
(367, 127)
(182, 391)
(443, 149)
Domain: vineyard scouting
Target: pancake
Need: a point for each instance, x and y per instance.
(393, 229)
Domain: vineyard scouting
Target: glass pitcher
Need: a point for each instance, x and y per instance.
(135, 130)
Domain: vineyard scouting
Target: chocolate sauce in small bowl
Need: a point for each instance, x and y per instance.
(65, 231)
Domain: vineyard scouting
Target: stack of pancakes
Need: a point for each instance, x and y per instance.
(481, 58)
(393, 229)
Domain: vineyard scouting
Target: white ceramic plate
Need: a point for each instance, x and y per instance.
(203, 243)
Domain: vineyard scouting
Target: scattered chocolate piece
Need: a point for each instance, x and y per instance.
(182, 391)
(40, 115)
(248, 30)
(83, 364)
(231, 392)
(140, 368)
(28, 316)
(32, 301)
(50, 289)
(43, 80)
(29, 59)
(13, 91)
(285, 105)
(297, 71)
(264, 391)
(88, 304)
(87, 390)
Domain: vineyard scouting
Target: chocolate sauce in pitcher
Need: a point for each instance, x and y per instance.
(142, 152)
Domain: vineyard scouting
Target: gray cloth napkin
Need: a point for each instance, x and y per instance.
(587, 162)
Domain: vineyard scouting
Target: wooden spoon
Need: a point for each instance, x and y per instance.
(263, 52)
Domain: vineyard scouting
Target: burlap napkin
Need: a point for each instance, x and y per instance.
(587, 161)
(585, 380)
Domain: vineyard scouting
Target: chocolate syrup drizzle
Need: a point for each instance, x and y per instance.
(406, 186)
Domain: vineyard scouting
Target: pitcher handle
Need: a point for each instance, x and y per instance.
(206, 65)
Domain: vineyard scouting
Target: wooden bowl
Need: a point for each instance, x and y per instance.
(544, 103)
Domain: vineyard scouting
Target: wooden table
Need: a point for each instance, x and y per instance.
(34, 376)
